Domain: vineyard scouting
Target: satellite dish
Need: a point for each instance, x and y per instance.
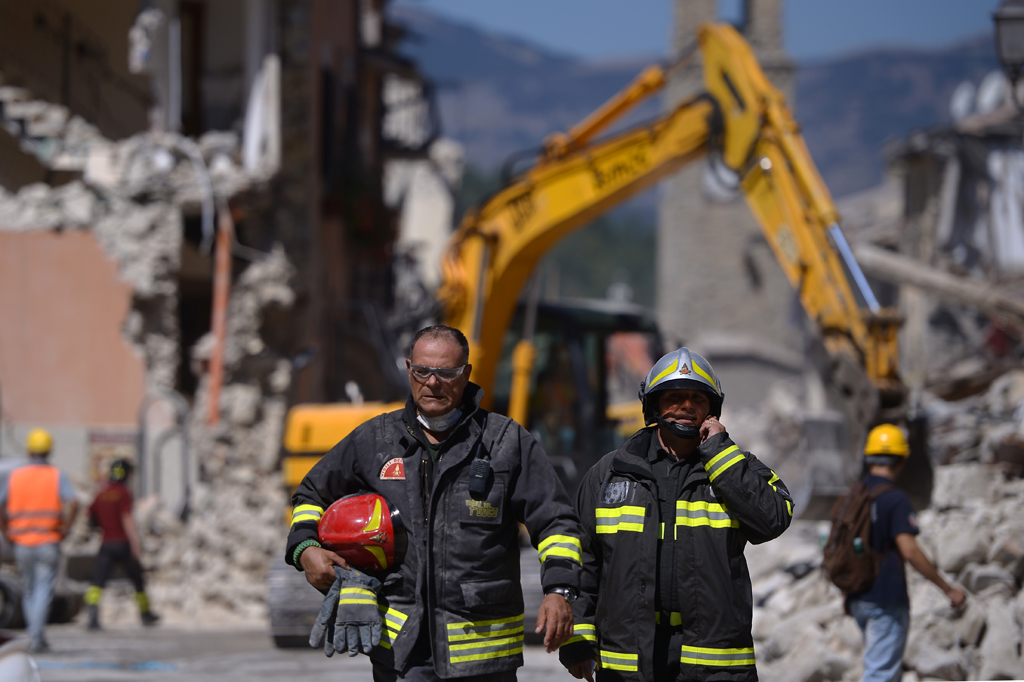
(961, 103)
(993, 92)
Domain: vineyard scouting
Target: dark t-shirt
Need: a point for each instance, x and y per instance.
(891, 514)
(108, 507)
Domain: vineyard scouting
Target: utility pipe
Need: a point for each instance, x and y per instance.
(218, 323)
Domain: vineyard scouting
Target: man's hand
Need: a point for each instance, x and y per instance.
(554, 616)
(318, 564)
(956, 596)
(583, 670)
(710, 427)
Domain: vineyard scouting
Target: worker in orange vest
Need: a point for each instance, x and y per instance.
(38, 506)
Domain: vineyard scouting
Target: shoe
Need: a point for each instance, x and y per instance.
(93, 622)
(40, 647)
(149, 619)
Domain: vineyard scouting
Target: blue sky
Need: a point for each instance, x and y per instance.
(815, 29)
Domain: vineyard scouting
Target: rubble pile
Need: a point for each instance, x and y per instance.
(211, 566)
(974, 533)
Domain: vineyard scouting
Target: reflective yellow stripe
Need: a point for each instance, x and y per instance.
(722, 461)
(661, 531)
(482, 651)
(674, 618)
(719, 456)
(560, 539)
(615, 519)
(357, 595)
(306, 512)
(560, 545)
(711, 514)
(582, 632)
(485, 639)
(671, 368)
(698, 370)
(495, 642)
(697, 655)
(484, 623)
(562, 552)
(92, 595)
(394, 620)
(617, 661)
(506, 631)
(394, 617)
(789, 507)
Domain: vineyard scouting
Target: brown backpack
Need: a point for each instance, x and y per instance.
(849, 561)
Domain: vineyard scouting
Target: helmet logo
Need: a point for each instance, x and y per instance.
(381, 537)
(394, 470)
(683, 369)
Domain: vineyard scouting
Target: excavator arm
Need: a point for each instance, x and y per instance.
(741, 118)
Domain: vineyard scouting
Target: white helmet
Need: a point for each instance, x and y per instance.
(680, 369)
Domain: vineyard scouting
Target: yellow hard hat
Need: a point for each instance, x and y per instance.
(39, 442)
(886, 439)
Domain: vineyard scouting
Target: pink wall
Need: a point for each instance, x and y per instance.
(62, 358)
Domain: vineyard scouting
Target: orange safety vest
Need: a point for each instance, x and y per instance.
(33, 505)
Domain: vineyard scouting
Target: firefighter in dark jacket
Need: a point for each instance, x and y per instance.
(666, 593)
(456, 607)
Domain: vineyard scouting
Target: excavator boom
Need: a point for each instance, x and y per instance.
(743, 120)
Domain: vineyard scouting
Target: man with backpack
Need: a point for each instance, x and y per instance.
(873, 529)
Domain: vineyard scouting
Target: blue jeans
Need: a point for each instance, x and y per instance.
(885, 631)
(38, 567)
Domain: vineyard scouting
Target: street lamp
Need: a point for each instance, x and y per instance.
(1009, 20)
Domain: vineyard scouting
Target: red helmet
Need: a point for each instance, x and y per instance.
(365, 531)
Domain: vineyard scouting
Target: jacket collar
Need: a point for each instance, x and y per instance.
(631, 457)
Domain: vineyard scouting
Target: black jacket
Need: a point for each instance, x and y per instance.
(460, 576)
(728, 498)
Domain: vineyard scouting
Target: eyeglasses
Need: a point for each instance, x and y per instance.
(445, 374)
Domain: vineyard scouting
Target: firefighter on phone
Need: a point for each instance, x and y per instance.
(666, 594)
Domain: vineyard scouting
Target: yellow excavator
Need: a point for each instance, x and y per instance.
(740, 119)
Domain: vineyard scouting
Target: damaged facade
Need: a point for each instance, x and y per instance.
(140, 144)
(941, 241)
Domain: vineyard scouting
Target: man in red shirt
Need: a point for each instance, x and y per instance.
(111, 511)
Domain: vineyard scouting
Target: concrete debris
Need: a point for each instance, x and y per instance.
(899, 269)
(41, 207)
(133, 194)
(974, 530)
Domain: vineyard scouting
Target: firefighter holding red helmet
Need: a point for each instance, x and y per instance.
(410, 525)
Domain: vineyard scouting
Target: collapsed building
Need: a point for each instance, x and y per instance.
(942, 241)
(201, 205)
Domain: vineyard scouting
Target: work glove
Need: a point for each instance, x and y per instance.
(323, 629)
(358, 623)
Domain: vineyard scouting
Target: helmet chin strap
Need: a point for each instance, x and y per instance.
(685, 431)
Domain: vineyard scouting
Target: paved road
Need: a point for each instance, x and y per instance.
(166, 654)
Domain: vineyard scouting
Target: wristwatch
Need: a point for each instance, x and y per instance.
(567, 593)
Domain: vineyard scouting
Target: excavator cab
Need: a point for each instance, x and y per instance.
(590, 358)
